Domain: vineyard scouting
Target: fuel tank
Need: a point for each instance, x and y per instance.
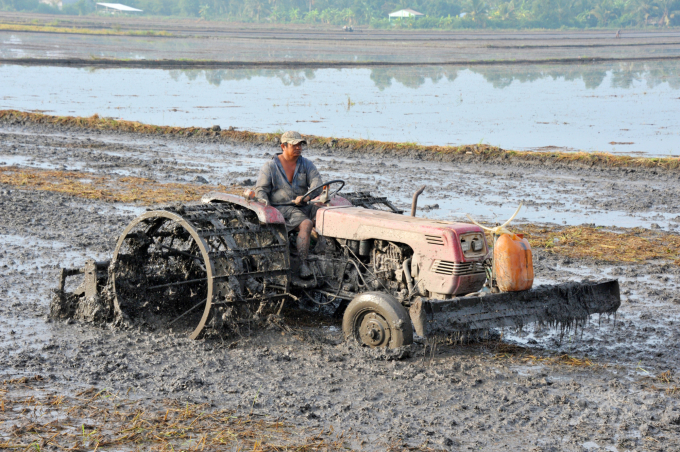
(513, 263)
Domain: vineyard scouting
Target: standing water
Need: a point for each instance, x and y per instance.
(616, 107)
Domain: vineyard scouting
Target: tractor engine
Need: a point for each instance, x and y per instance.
(347, 267)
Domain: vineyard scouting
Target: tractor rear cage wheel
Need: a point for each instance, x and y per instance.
(213, 254)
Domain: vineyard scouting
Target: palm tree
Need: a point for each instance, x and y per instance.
(253, 8)
(362, 13)
(326, 16)
(505, 11)
(563, 11)
(666, 11)
(603, 12)
(477, 10)
(348, 15)
(312, 16)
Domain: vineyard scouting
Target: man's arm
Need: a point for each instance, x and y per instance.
(263, 187)
(313, 179)
(313, 176)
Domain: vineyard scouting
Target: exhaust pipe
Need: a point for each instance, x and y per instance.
(414, 203)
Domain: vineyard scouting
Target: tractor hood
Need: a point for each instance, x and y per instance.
(357, 223)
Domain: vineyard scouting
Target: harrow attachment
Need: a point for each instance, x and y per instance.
(566, 305)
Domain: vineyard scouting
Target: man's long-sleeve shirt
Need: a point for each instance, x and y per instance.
(272, 182)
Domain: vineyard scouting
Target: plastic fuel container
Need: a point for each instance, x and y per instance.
(513, 264)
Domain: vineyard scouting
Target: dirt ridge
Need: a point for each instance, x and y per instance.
(215, 64)
(465, 153)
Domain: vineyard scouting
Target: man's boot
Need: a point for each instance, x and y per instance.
(305, 271)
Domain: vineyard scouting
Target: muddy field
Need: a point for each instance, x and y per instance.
(197, 43)
(612, 386)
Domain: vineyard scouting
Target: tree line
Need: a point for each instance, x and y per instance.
(443, 14)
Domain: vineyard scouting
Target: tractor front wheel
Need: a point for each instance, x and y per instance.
(376, 319)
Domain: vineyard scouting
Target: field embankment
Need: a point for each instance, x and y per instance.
(466, 153)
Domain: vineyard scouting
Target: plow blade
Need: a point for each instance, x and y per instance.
(565, 304)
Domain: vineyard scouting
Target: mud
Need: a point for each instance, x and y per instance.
(487, 395)
(310, 46)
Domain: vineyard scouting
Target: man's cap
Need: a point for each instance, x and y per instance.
(292, 138)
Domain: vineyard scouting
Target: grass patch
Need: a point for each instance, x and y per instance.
(622, 245)
(478, 152)
(525, 355)
(106, 188)
(36, 417)
(80, 31)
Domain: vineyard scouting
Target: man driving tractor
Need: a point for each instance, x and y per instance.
(283, 182)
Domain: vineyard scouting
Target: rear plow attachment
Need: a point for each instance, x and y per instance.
(566, 305)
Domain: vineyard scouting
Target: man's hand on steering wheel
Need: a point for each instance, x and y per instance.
(301, 199)
(316, 191)
(313, 193)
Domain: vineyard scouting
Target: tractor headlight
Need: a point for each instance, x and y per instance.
(477, 245)
(472, 244)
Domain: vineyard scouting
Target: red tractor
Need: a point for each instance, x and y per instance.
(222, 262)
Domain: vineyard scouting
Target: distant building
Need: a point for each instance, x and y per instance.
(115, 8)
(404, 13)
(58, 3)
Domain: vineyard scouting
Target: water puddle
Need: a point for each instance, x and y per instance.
(626, 108)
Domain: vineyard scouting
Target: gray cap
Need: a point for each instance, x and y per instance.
(292, 138)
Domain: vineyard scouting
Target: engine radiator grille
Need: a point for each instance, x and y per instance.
(457, 268)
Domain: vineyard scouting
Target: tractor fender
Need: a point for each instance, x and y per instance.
(266, 214)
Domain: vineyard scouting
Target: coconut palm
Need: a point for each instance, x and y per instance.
(505, 11)
(348, 15)
(603, 12)
(477, 10)
(312, 16)
(666, 10)
(254, 8)
(563, 11)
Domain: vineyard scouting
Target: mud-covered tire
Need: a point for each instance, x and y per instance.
(376, 319)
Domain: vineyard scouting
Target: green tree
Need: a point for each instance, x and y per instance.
(504, 11)
(254, 8)
(477, 11)
(667, 10)
(205, 12)
(313, 16)
(189, 7)
(604, 12)
(348, 15)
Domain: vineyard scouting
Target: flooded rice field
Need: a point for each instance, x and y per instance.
(288, 45)
(628, 108)
(457, 397)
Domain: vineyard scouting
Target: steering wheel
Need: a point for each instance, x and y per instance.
(316, 191)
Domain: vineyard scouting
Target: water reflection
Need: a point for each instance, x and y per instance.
(623, 75)
(623, 107)
(289, 77)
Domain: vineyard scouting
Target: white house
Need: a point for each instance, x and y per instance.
(404, 13)
(118, 8)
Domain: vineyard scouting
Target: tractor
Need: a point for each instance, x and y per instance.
(205, 266)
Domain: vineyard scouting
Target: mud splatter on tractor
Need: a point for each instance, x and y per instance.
(202, 267)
